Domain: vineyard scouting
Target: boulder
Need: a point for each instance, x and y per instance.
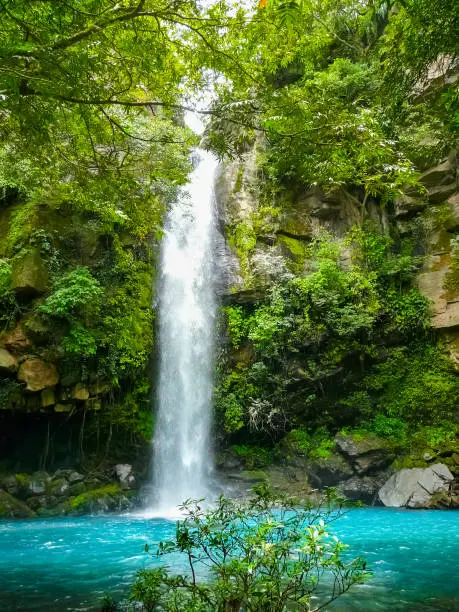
(364, 489)
(448, 318)
(10, 484)
(442, 174)
(17, 341)
(80, 392)
(37, 483)
(125, 476)
(10, 507)
(367, 455)
(48, 397)
(415, 487)
(99, 387)
(75, 477)
(38, 374)
(57, 487)
(329, 471)
(440, 194)
(29, 274)
(42, 501)
(406, 205)
(8, 363)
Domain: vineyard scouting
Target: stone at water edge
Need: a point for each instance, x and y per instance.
(415, 487)
(124, 474)
(10, 507)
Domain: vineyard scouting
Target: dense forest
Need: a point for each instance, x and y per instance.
(336, 124)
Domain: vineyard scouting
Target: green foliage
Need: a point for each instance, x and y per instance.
(338, 319)
(80, 340)
(75, 294)
(8, 389)
(233, 413)
(8, 306)
(237, 324)
(253, 457)
(132, 413)
(269, 554)
(315, 445)
(127, 321)
(409, 394)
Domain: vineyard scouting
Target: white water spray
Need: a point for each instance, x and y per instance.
(182, 446)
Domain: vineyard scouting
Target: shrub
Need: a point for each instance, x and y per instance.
(270, 554)
(74, 293)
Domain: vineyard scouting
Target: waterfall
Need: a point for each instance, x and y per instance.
(182, 454)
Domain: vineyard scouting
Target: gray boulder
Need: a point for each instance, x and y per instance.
(37, 483)
(125, 476)
(364, 489)
(328, 471)
(414, 488)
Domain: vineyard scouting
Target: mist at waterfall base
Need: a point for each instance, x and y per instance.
(71, 563)
(182, 450)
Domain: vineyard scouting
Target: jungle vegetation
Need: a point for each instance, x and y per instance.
(93, 148)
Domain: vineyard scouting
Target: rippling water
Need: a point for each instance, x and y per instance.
(71, 563)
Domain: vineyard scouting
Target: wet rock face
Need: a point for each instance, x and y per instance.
(416, 487)
(38, 374)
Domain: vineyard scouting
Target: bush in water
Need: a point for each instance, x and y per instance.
(267, 555)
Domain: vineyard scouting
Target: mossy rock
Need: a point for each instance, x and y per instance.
(103, 499)
(29, 275)
(254, 476)
(10, 507)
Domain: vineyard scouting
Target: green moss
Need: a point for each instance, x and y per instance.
(298, 251)
(238, 182)
(316, 444)
(23, 221)
(253, 456)
(80, 501)
(242, 237)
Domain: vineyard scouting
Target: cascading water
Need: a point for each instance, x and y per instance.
(182, 455)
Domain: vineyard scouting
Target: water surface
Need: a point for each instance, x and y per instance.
(70, 563)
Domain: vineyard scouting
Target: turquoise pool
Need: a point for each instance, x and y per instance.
(71, 563)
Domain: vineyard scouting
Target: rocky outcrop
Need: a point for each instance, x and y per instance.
(416, 487)
(367, 455)
(38, 374)
(65, 492)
